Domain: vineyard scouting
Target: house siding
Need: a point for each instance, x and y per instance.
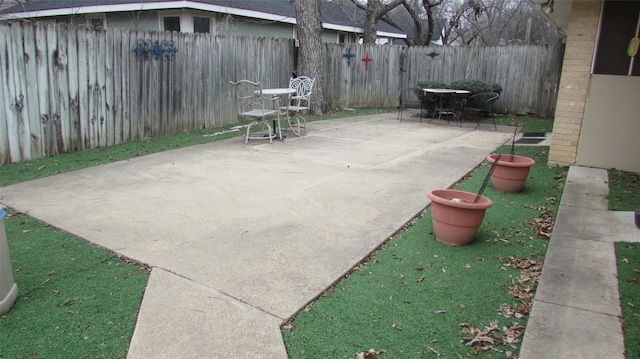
(241, 27)
(574, 82)
(143, 20)
(222, 24)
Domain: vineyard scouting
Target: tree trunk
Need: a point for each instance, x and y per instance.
(428, 6)
(310, 58)
(374, 11)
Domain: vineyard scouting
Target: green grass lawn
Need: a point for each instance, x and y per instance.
(624, 195)
(76, 300)
(413, 298)
(417, 298)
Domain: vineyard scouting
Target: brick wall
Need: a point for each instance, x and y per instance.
(574, 81)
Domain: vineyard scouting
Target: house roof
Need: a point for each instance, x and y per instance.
(333, 16)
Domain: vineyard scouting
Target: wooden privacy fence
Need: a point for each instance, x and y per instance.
(65, 88)
(529, 75)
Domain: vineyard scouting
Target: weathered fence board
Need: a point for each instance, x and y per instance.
(43, 88)
(73, 120)
(63, 89)
(68, 88)
(4, 102)
(21, 130)
(33, 61)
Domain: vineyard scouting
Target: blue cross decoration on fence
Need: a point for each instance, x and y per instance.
(349, 56)
(147, 48)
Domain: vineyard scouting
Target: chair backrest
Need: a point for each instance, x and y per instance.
(303, 86)
(484, 100)
(248, 95)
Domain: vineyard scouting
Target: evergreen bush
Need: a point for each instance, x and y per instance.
(473, 86)
(429, 100)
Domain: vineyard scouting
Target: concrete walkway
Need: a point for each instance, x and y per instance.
(240, 237)
(576, 311)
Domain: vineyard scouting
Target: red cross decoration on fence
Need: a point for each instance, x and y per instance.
(366, 60)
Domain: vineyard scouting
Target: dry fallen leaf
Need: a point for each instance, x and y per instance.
(506, 311)
(543, 226)
(288, 327)
(525, 286)
(433, 351)
(491, 336)
(371, 353)
(65, 302)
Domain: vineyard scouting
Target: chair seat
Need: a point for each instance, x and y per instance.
(445, 111)
(295, 108)
(258, 113)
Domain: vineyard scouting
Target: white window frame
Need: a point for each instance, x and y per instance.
(186, 20)
(348, 37)
(100, 16)
(212, 22)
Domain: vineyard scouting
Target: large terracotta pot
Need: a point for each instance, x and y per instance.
(510, 173)
(456, 218)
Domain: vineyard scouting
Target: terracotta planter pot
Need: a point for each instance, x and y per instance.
(509, 175)
(456, 218)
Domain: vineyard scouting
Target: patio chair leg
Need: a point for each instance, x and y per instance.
(246, 137)
(299, 124)
(302, 125)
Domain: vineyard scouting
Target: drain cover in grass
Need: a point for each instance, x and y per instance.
(534, 134)
(529, 141)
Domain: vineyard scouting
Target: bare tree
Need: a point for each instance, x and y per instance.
(310, 57)
(427, 7)
(418, 18)
(496, 22)
(374, 11)
(8, 3)
(460, 22)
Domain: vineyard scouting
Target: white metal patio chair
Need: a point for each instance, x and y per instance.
(300, 102)
(250, 103)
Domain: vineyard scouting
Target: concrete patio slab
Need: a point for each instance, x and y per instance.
(265, 226)
(201, 319)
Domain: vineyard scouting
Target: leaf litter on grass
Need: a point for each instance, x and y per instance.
(440, 295)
